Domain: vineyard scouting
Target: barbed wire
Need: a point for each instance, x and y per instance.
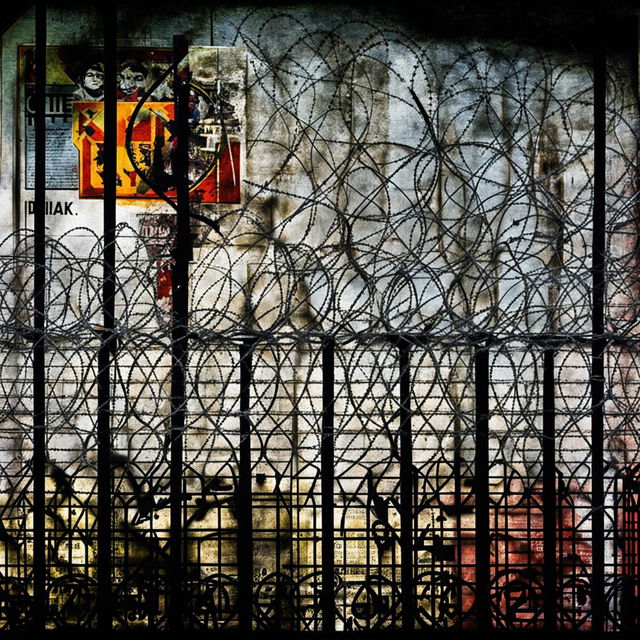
(395, 187)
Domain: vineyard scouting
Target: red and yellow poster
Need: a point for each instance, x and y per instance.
(75, 127)
(144, 154)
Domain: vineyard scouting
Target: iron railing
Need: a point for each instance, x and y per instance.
(365, 429)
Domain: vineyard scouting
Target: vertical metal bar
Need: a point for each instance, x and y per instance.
(625, 537)
(481, 486)
(598, 342)
(327, 601)
(563, 562)
(244, 498)
(406, 490)
(39, 325)
(460, 604)
(107, 342)
(549, 492)
(457, 487)
(179, 332)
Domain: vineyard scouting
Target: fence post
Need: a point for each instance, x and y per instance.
(39, 325)
(549, 501)
(481, 486)
(179, 333)
(598, 342)
(107, 338)
(327, 477)
(406, 490)
(244, 503)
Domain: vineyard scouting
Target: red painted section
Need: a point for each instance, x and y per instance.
(517, 555)
(219, 185)
(163, 280)
(141, 131)
(86, 186)
(628, 523)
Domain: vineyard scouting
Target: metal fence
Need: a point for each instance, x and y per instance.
(407, 403)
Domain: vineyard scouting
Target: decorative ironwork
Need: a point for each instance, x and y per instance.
(419, 218)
